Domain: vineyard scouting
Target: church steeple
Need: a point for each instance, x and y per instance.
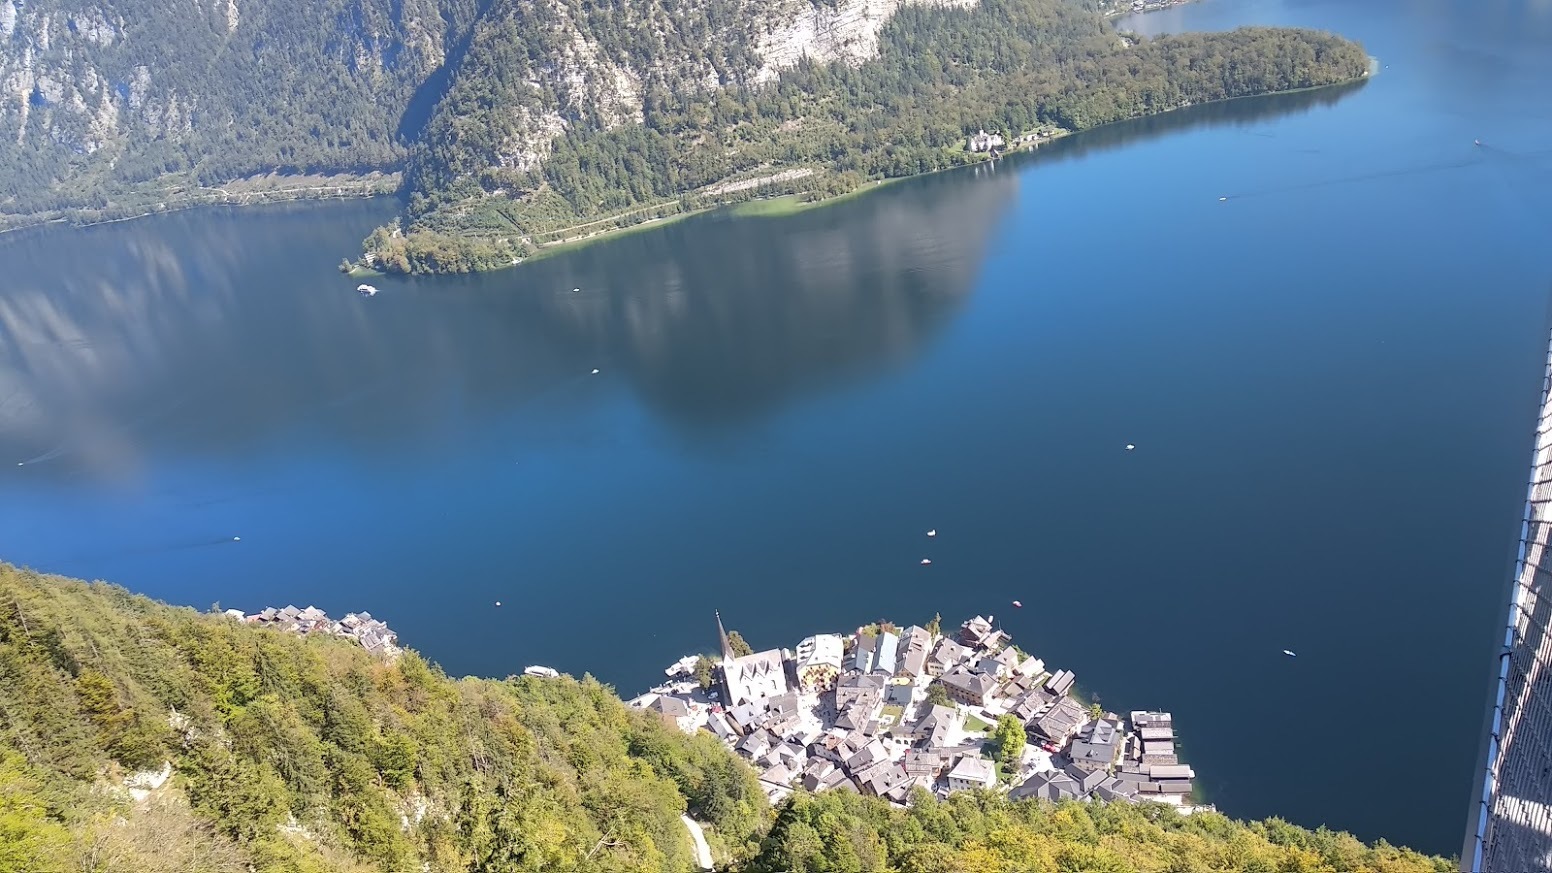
(727, 647)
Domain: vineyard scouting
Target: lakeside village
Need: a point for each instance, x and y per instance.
(884, 711)
(373, 635)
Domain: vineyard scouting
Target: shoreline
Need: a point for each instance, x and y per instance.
(353, 187)
(367, 187)
(752, 209)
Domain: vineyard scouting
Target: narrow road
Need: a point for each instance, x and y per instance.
(698, 837)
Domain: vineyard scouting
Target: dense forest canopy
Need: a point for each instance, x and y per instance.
(975, 832)
(294, 753)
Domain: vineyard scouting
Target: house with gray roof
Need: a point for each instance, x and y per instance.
(1087, 780)
(1030, 667)
(974, 630)
(1032, 705)
(915, 644)
(1158, 752)
(1090, 757)
(929, 761)
(1054, 786)
(861, 658)
(886, 654)
(670, 707)
(882, 780)
(967, 687)
(754, 745)
(994, 641)
(872, 753)
(935, 725)
(971, 772)
(1099, 746)
(947, 655)
(1060, 721)
(1113, 790)
(1060, 682)
(817, 771)
(854, 687)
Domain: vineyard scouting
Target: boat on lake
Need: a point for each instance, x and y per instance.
(541, 672)
(365, 290)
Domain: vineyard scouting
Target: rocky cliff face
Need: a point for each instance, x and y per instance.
(845, 32)
(549, 67)
(97, 96)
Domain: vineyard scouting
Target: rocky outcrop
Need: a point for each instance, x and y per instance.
(847, 32)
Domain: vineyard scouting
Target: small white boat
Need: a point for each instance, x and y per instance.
(1289, 654)
(498, 603)
(576, 290)
(365, 290)
(1019, 605)
(1129, 447)
(933, 532)
(1221, 199)
(541, 672)
(595, 371)
(683, 667)
(926, 561)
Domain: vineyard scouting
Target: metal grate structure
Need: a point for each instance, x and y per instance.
(1510, 830)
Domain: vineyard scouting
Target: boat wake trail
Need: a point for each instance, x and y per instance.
(1482, 154)
(1426, 169)
(159, 549)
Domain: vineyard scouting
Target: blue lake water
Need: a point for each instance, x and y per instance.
(1330, 379)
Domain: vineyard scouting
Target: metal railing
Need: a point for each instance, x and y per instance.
(1510, 829)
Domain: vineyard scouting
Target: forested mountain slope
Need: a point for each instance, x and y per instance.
(568, 117)
(310, 754)
(527, 122)
(284, 754)
(99, 97)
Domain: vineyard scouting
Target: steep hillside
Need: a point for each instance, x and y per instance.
(142, 738)
(100, 98)
(568, 118)
(292, 754)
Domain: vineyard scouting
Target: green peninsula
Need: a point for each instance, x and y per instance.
(510, 165)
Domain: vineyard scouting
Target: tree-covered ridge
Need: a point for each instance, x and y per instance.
(977, 832)
(309, 754)
(1011, 66)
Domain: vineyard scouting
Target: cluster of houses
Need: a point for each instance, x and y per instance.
(1155, 5)
(981, 141)
(373, 635)
(858, 712)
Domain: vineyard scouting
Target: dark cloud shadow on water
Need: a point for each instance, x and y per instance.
(719, 320)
